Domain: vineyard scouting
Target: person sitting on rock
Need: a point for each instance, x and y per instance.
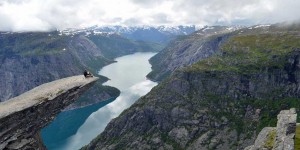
(87, 74)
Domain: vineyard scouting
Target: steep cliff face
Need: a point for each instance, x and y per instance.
(218, 103)
(22, 117)
(187, 50)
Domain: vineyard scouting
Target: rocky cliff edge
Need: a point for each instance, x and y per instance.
(278, 138)
(22, 117)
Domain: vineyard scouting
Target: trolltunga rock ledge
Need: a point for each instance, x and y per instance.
(22, 117)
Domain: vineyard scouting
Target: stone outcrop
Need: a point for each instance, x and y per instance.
(280, 137)
(266, 135)
(285, 130)
(22, 117)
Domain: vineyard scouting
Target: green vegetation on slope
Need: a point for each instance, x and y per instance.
(297, 138)
(30, 44)
(251, 53)
(234, 111)
(271, 139)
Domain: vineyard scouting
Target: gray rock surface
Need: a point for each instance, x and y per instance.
(280, 137)
(262, 138)
(22, 117)
(286, 129)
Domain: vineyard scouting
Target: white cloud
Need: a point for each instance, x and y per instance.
(41, 15)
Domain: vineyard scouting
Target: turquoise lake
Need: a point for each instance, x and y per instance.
(75, 128)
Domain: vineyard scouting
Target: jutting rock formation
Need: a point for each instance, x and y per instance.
(22, 117)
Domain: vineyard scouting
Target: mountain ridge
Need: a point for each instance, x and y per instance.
(159, 34)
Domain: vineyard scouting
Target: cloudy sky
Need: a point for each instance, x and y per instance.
(42, 15)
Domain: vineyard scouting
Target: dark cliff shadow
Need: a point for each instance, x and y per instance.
(67, 123)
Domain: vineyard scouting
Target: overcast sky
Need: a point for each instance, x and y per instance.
(42, 15)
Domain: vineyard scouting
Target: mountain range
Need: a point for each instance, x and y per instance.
(159, 34)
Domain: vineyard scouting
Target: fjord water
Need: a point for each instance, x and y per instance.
(73, 129)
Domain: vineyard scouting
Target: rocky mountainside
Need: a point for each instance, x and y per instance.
(220, 102)
(186, 50)
(22, 117)
(189, 49)
(31, 59)
(159, 34)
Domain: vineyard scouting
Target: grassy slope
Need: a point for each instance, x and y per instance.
(297, 138)
(251, 53)
(28, 44)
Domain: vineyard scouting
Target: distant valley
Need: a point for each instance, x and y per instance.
(218, 89)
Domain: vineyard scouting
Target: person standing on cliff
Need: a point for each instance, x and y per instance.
(87, 74)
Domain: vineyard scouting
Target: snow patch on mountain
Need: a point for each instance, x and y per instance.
(263, 25)
(174, 30)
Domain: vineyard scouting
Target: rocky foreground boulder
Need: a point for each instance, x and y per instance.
(278, 138)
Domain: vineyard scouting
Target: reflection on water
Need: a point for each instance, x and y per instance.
(128, 75)
(67, 123)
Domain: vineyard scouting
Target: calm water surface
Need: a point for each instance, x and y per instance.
(73, 129)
